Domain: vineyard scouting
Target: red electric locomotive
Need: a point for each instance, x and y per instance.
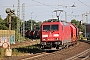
(55, 34)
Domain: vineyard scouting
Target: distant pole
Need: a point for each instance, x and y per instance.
(23, 17)
(0, 16)
(85, 31)
(18, 9)
(83, 18)
(9, 28)
(18, 14)
(31, 20)
(13, 6)
(86, 17)
(8, 11)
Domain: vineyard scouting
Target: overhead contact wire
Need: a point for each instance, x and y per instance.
(84, 3)
(44, 4)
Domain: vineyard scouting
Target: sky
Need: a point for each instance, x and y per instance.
(40, 10)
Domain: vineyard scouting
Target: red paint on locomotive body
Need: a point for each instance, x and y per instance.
(51, 31)
(57, 33)
(73, 32)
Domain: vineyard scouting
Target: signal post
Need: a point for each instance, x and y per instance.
(10, 13)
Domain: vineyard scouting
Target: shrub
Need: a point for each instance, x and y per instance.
(15, 52)
(2, 52)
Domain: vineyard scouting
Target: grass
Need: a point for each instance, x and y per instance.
(2, 53)
(28, 49)
(21, 51)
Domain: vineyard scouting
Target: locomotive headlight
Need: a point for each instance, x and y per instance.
(44, 39)
(57, 38)
(56, 35)
(44, 35)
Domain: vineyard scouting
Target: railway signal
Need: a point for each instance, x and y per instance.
(10, 13)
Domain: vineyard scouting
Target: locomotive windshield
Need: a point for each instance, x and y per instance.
(54, 27)
(46, 27)
(50, 27)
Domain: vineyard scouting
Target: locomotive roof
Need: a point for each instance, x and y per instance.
(53, 20)
(56, 20)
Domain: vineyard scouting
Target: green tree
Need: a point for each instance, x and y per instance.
(3, 25)
(35, 25)
(28, 25)
(13, 22)
(38, 25)
(77, 23)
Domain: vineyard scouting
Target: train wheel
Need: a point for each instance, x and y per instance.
(57, 47)
(41, 46)
(67, 46)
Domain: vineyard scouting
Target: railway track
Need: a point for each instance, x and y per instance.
(81, 56)
(58, 55)
(25, 43)
(44, 54)
(35, 56)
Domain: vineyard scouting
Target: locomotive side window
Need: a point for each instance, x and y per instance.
(46, 27)
(54, 27)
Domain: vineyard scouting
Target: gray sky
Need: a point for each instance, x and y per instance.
(43, 9)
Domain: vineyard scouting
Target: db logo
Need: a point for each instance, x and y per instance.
(5, 45)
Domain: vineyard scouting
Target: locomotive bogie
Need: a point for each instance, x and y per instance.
(50, 44)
